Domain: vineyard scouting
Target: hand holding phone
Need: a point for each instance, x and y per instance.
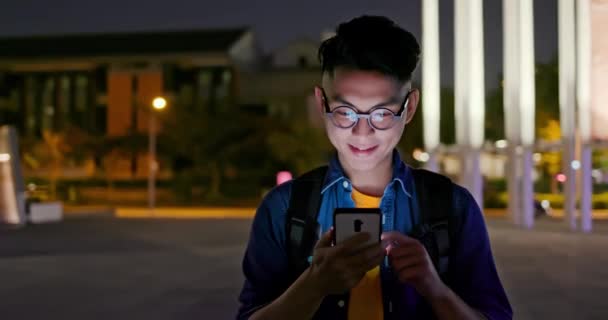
(356, 237)
(351, 221)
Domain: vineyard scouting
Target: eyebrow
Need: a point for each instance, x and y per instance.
(392, 101)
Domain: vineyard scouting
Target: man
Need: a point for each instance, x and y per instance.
(367, 99)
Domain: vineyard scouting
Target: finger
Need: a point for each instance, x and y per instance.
(365, 260)
(391, 235)
(365, 247)
(375, 261)
(397, 252)
(396, 237)
(354, 242)
(404, 263)
(326, 239)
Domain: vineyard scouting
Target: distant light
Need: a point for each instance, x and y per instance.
(597, 174)
(424, 157)
(537, 157)
(561, 178)
(4, 157)
(575, 164)
(159, 103)
(545, 204)
(501, 144)
(283, 176)
(31, 187)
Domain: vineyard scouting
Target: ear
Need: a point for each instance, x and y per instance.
(412, 105)
(319, 99)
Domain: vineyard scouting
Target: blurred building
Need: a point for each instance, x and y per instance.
(301, 53)
(284, 85)
(104, 83)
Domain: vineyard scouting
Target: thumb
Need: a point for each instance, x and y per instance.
(326, 239)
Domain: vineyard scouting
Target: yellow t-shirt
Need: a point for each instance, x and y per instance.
(366, 298)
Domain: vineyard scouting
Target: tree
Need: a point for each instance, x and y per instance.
(547, 94)
(551, 161)
(300, 146)
(213, 144)
(495, 115)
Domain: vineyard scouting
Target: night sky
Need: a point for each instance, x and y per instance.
(275, 22)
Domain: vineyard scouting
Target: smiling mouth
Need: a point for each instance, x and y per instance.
(362, 150)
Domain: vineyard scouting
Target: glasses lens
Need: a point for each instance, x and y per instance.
(382, 118)
(344, 117)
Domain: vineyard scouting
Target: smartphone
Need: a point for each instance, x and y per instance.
(350, 221)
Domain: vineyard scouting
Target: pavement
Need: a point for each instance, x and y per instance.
(237, 212)
(98, 266)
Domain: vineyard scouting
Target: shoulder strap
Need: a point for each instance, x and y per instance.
(434, 193)
(301, 229)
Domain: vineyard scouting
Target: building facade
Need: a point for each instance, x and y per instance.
(104, 84)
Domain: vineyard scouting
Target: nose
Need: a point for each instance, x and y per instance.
(362, 127)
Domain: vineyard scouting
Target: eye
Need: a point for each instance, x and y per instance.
(381, 115)
(346, 112)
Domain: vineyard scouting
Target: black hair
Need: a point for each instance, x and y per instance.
(371, 43)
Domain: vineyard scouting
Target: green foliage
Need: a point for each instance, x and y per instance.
(299, 146)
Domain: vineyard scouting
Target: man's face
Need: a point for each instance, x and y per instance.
(362, 147)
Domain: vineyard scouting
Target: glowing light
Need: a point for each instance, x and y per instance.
(537, 157)
(5, 157)
(575, 164)
(545, 204)
(597, 175)
(501, 144)
(424, 157)
(561, 178)
(159, 103)
(283, 176)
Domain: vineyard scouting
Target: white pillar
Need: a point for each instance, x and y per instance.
(510, 105)
(430, 80)
(12, 195)
(586, 189)
(527, 188)
(514, 171)
(527, 107)
(470, 90)
(474, 179)
(519, 106)
(599, 70)
(567, 95)
(583, 97)
(433, 163)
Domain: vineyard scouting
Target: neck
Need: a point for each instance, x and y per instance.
(371, 182)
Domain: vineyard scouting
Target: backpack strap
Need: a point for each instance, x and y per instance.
(301, 228)
(434, 193)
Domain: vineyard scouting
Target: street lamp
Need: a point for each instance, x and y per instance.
(158, 104)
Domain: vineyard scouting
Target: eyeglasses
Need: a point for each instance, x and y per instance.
(379, 118)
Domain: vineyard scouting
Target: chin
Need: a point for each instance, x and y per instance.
(362, 163)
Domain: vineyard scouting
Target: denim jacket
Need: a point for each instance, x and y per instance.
(472, 273)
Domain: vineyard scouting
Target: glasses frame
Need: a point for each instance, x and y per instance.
(366, 115)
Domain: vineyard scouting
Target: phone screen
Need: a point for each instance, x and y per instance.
(350, 221)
